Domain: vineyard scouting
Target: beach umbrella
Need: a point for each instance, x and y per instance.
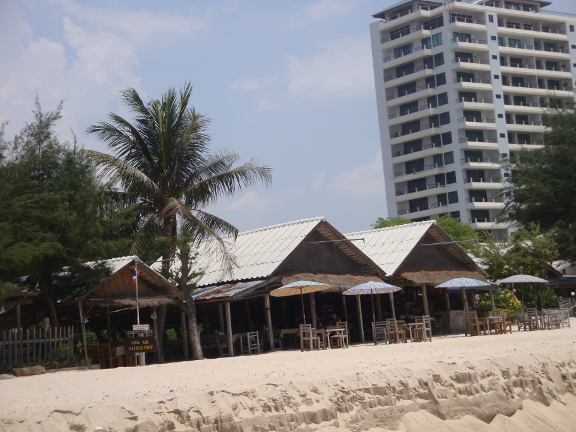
(521, 278)
(373, 288)
(463, 283)
(299, 287)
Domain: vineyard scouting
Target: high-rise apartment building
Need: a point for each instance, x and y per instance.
(460, 85)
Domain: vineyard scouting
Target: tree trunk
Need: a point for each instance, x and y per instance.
(44, 283)
(160, 324)
(189, 306)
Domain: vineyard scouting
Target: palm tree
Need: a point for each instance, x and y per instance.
(162, 162)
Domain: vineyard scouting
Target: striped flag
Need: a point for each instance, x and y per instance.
(135, 276)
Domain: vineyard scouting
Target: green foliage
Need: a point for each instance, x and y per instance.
(504, 299)
(540, 296)
(542, 184)
(389, 222)
(458, 231)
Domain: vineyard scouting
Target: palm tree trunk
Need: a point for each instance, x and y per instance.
(190, 307)
(160, 325)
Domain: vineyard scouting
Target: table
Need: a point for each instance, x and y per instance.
(497, 323)
(416, 328)
(327, 333)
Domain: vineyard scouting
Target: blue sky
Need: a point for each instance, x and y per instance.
(289, 83)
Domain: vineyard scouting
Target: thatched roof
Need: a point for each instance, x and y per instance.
(339, 282)
(437, 277)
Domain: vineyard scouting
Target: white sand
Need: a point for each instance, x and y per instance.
(523, 381)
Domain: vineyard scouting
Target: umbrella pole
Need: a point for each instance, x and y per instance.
(302, 302)
(372, 300)
(392, 304)
(464, 299)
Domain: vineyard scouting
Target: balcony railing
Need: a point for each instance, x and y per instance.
(524, 122)
(408, 72)
(524, 104)
(481, 160)
(522, 27)
(475, 120)
(466, 20)
(524, 142)
(406, 93)
(477, 140)
(471, 40)
(403, 54)
(562, 68)
(473, 99)
(532, 47)
(467, 60)
(482, 180)
(484, 200)
(415, 150)
(414, 190)
(410, 31)
(472, 80)
(535, 86)
(426, 168)
(418, 109)
(419, 209)
(408, 12)
(411, 131)
(487, 220)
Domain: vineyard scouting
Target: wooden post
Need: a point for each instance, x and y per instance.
(109, 324)
(221, 317)
(229, 329)
(491, 294)
(345, 308)
(313, 318)
(18, 317)
(425, 299)
(268, 316)
(392, 305)
(83, 326)
(183, 325)
(248, 315)
(378, 308)
(360, 319)
(447, 298)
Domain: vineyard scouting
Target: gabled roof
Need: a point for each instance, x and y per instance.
(260, 253)
(389, 247)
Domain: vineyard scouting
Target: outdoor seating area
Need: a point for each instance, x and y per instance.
(399, 331)
(332, 337)
(111, 355)
(531, 319)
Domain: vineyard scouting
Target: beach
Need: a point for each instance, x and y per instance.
(521, 381)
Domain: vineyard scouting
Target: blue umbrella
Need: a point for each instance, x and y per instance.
(462, 283)
(373, 288)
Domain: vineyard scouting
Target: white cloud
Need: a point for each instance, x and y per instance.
(364, 180)
(342, 70)
(320, 10)
(253, 84)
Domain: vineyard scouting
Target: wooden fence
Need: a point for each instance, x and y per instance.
(27, 346)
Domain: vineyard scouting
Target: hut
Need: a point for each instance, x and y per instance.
(267, 258)
(417, 257)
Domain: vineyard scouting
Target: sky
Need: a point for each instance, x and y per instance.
(289, 83)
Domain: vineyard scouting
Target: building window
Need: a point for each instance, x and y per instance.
(571, 27)
(441, 79)
(494, 57)
(451, 177)
(496, 76)
(403, 50)
(452, 197)
(447, 138)
(448, 158)
(438, 59)
(437, 39)
(433, 24)
(437, 160)
(443, 98)
(500, 115)
(462, 37)
(491, 18)
(502, 135)
(493, 37)
(445, 118)
(399, 32)
(427, 43)
(514, 43)
(455, 215)
(498, 96)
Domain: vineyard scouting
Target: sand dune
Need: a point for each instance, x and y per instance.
(523, 381)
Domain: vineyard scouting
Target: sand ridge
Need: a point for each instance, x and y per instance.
(495, 382)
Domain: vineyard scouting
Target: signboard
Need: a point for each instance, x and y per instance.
(141, 327)
(133, 345)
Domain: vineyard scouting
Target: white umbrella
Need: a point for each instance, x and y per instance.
(462, 283)
(521, 278)
(299, 287)
(373, 288)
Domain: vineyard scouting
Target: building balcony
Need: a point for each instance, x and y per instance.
(422, 111)
(481, 163)
(424, 131)
(529, 69)
(473, 44)
(409, 16)
(401, 98)
(483, 183)
(525, 126)
(414, 193)
(471, 65)
(515, 10)
(432, 169)
(473, 84)
(532, 89)
(426, 150)
(477, 123)
(516, 146)
(488, 223)
(432, 210)
(397, 60)
(557, 35)
(527, 108)
(474, 103)
(479, 144)
(484, 204)
(416, 33)
(522, 50)
(412, 75)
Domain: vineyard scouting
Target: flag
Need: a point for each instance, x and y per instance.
(135, 276)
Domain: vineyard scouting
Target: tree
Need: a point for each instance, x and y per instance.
(161, 160)
(458, 231)
(53, 211)
(542, 182)
(389, 222)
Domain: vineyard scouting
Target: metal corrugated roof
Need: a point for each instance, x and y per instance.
(258, 253)
(228, 291)
(389, 247)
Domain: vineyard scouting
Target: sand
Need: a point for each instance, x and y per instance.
(525, 381)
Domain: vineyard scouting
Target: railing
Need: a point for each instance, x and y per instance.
(418, 109)
(408, 72)
(524, 28)
(535, 86)
(475, 120)
(419, 209)
(473, 99)
(525, 122)
(403, 54)
(562, 68)
(410, 131)
(467, 20)
(407, 12)
(465, 140)
(472, 80)
(484, 200)
(482, 180)
(415, 150)
(481, 160)
(471, 40)
(525, 142)
(417, 89)
(518, 8)
(24, 346)
(426, 168)
(410, 31)
(468, 60)
(487, 219)
(533, 48)
(414, 190)
(526, 104)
